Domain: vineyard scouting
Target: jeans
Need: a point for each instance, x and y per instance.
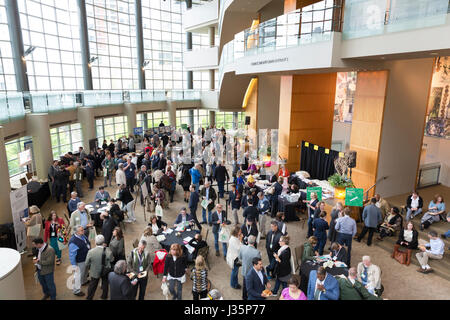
(91, 182)
(176, 295)
(142, 284)
(221, 185)
(204, 215)
(107, 177)
(235, 215)
(278, 282)
(262, 224)
(363, 233)
(234, 277)
(48, 284)
(216, 244)
(54, 245)
(411, 214)
(197, 186)
(447, 234)
(93, 287)
(194, 216)
(79, 188)
(321, 241)
(346, 239)
(310, 227)
(61, 190)
(199, 295)
(130, 210)
(272, 262)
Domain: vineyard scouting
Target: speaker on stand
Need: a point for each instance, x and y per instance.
(351, 154)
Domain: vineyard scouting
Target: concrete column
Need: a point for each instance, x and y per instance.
(84, 45)
(212, 82)
(235, 120)
(38, 127)
(191, 118)
(268, 102)
(130, 112)
(139, 44)
(5, 213)
(172, 109)
(212, 36)
(212, 118)
(15, 34)
(189, 74)
(86, 117)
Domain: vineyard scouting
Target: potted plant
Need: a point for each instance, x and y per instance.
(340, 183)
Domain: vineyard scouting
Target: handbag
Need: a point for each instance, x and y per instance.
(34, 231)
(159, 211)
(237, 262)
(400, 256)
(92, 234)
(105, 269)
(224, 234)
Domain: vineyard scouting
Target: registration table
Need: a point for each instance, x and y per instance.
(307, 266)
(181, 239)
(95, 209)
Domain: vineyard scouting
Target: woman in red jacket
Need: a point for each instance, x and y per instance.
(283, 172)
(53, 227)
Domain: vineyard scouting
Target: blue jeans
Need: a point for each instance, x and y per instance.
(204, 215)
(216, 244)
(221, 185)
(411, 214)
(234, 277)
(321, 241)
(278, 282)
(346, 239)
(271, 265)
(197, 186)
(447, 234)
(48, 284)
(310, 227)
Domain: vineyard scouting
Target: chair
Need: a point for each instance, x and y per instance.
(29, 175)
(23, 181)
(298, 256)
(204, 253)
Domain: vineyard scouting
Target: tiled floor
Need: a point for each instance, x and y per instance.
(400, 282)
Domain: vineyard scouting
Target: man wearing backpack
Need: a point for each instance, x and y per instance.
(98, 262)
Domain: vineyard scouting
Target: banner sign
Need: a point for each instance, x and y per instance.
(316, 190)
(19, 209)
(354, 197)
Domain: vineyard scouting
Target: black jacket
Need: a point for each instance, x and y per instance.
(107, 228)
(275, 242)
(212, 196)
(120, 287)
(283, 268)
(62, 177)
(221, 173)
(125, 196)
(341, 255)
(251, 212)
(246, 233)
(414, 242)
(162, 164)
(215, 219)
(175, 268)
(197, 245)
(408, 202)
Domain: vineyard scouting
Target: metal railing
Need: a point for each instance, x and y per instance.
(11, 106)
(366, 193)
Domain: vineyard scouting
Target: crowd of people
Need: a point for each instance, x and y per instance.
(238, 235)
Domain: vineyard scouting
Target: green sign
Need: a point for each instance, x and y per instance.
(354, 197)
(184, 126)
(316, 190)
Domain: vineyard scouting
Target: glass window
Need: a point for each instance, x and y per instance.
(7, 74)
(65, 139)
(13, 148)
(111, 128)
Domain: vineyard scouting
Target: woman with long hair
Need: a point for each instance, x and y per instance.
(175, 270)
(234, 245)
(53, 227)
(199, 276)
(117, 245)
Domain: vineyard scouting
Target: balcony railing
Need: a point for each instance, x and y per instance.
(52, 101)
(11, 106)
(184, 95)
(386, 16)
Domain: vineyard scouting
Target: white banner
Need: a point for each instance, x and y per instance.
(19, 207)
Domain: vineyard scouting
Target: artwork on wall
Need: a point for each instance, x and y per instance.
(345, 96)
(438, 110)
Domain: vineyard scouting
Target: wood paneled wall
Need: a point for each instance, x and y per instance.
(306, 113)
(252, 111)
(291, 5)
(368, 114)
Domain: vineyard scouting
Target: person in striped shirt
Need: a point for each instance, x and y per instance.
(199, 276)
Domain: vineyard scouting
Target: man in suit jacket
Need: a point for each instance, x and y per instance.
(221, 174)
(372, 218)
(249, 229)
(256, 281)
(218, 219)
(183, 217)
(81, 217)
(121, 287)
(272, 245)
(246, 255)
(45, 266)
(138, 262)
(351, 289)
(96, 267)
(193, 203)
(209, 194)
(322, 286)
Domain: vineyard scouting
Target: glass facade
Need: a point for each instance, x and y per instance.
(163, 44)
(13, 148)
(112, 38)
(111, 128)
(52, 27)
(65, 139)
(226, 120)
(153, 119)
(7, 73)
(201, 118)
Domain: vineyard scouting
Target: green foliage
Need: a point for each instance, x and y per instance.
(338, 181)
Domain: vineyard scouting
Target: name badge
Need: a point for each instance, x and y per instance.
(53, 234)
(141, 269)
(270, 246)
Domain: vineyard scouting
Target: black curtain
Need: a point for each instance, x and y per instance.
(317, 163)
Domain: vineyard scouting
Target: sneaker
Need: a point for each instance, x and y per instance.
(421, 270)
(273, 294)
(443, 236)
(217, 254)
(359, 240)
(238, 287)
(428, 270)
(80, 294)
(45, 297)
(128, 220)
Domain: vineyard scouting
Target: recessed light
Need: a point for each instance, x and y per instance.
(434, 54)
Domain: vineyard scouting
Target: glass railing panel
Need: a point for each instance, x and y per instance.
(147, 96)
(39, 102)
(103, 97)
(363, 18)
(89, 98)
(406, 14)
(159, 95)
(15, 105)
(116, 97)
(4, 114)
(135, 96)
(54, 102)
(68, 100)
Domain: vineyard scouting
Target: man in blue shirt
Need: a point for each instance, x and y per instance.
(193, 203)
(346, 228)
(195, 177)
(78, 249)
(102, 195)
(372, 218)
(72, 205)
(130, 174)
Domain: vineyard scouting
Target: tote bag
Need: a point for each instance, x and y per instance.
(159, 211)
(34, 231)
(224, 235)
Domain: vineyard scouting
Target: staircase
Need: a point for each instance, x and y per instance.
(441, 267)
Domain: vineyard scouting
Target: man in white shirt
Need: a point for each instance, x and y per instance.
(436, 251)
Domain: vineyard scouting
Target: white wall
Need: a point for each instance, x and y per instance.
(438, 150)
(202, 59)
(268, 102)
(403, 125)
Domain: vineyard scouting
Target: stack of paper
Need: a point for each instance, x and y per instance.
(190, 248)
(187, 239)
(160, 238)
(168, 231)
